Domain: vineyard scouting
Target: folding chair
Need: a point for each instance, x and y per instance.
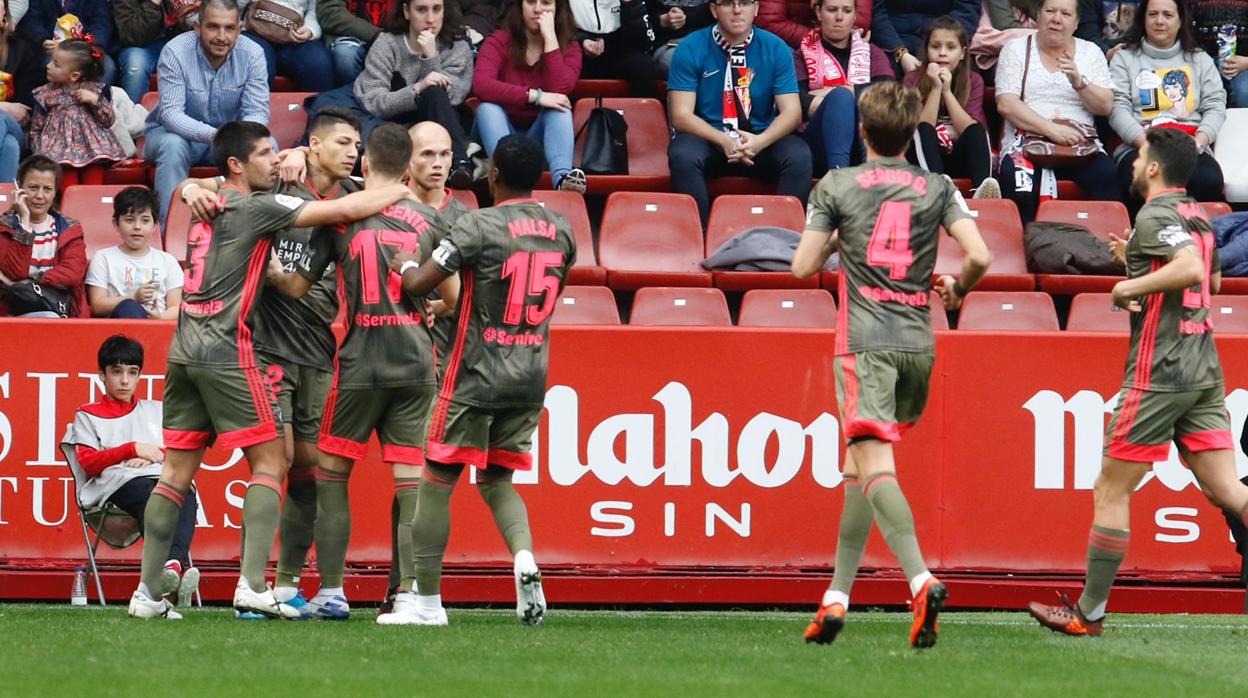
(108, 521)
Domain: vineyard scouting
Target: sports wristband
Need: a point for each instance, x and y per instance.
(959, 289)
(409, 264)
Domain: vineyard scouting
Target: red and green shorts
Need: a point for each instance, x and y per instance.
(482, 436)
(400, 416)
(235, 406)
(1146, 422)
(881, 394)
(301, 393)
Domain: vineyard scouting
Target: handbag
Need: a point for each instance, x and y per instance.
(1043, 152)
(606, 141)
(27, 296)
(272, 22)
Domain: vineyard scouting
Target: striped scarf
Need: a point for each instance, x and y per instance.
(737, 79)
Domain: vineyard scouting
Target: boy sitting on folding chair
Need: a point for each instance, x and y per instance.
(118, 441)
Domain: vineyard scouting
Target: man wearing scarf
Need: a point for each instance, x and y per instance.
(734, 106)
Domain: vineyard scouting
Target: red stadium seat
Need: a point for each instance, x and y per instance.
(1101, 218)
(652, 240)
(812, 307)
(92, 205)
(1213, 209)
(939, 317)
(1229, 314)
(177, 228)
(680, 306)
(586, 271)
(1096, 312)
(6, 194)
(588, 89)
(586, 305)
(467, 197)
(732, 215)
(648, 136)
(996, 311)
(149, 100)
(287, 117)
(1003, 233)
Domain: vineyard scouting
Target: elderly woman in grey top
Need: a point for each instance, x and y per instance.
(420, 69)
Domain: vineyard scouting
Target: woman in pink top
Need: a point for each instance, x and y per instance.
(523, 75)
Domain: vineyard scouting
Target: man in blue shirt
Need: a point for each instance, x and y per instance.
(734, 105)
(208, 77)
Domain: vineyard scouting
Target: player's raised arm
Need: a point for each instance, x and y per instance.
(974, 263)
(352, 207)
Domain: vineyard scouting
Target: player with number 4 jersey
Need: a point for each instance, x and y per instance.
(884, 216)
(1173, 391)
(513, 260)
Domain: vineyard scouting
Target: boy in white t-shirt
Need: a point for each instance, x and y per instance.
(133, 280)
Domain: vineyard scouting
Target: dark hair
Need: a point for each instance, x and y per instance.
(88, 58)
(520, 161)
(135, 200)
(332, 116)
(389, 150)
(1175, 152)
(961, 74)
(38, 163)
(1137, 34)
(452, 21)
(236, 139)
(120, 350)
(889, 113)
(565, 29)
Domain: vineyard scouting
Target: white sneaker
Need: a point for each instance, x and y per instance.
(188, 586)
(144, 606)
(168, 581)
(408, 612)
(988, 189)
(261, 602)
(327, 607)
(530, 600)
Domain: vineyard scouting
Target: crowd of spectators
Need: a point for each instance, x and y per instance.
(758, 88)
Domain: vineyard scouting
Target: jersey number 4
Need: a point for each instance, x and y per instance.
(890, 240)
(529, 274)
(364, 247)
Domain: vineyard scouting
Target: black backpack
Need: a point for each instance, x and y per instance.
(606, 142)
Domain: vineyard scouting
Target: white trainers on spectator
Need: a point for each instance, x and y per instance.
(530, 600)
(407, 611)
(261, 602)
(144, 606)
(188, 586)
(988, 189)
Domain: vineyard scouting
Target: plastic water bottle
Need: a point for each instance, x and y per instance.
(78, 595)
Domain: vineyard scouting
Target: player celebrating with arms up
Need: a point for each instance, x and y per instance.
(513, 259)
(885, 215)
(1173, 390)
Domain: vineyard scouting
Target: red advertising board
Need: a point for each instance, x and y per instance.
(703, 449)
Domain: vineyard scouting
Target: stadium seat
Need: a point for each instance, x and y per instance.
(589, 89)
(467, 197)
(651, 240)
(733, 214)
(1003, 233)
(648, 136)
(1101, 218)
(6, 194)
(811, 307)
(1213, 209)
(997, 311)
(1229, 314)
(586, 271)
(1096, 312)
(939, 317)
(92, 205)
(287, 117)
(586, 305)
(177, 228)
(680, 306)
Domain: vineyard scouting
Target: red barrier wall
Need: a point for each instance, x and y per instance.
(708, 449)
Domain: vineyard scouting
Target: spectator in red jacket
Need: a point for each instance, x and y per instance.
(793, 19)
(39, 246)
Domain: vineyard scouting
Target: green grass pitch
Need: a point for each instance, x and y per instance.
(64, 651)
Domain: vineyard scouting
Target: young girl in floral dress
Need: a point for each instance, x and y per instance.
(73, 115)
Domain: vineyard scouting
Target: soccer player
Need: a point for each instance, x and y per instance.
(1173, 389)
(214, 386)
(885, 216)
(513, 260)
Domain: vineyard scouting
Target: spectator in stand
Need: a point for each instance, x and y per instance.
(24, 60)
(40, 246)
(672, 21)
(1163, 80)
(482, 18)
(73, 117)
(208, 77)
(143, 29)
(524, 74)
(900, 27)
(834, 62)
(350, 27)
(735, 108)
(300, 55)
(1209, 18)
(616, 39)
(133, 279)
(952, 136)
(119, 445)
(424, 50)
(792, 20)
(40, 18)
(1064, 77)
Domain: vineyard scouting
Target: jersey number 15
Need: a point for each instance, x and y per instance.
(529, 274)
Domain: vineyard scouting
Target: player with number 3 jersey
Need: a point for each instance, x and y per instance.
(885, 216)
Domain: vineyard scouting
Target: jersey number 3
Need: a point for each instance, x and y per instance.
(890, 240)
(529, 276)
(198, 241)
